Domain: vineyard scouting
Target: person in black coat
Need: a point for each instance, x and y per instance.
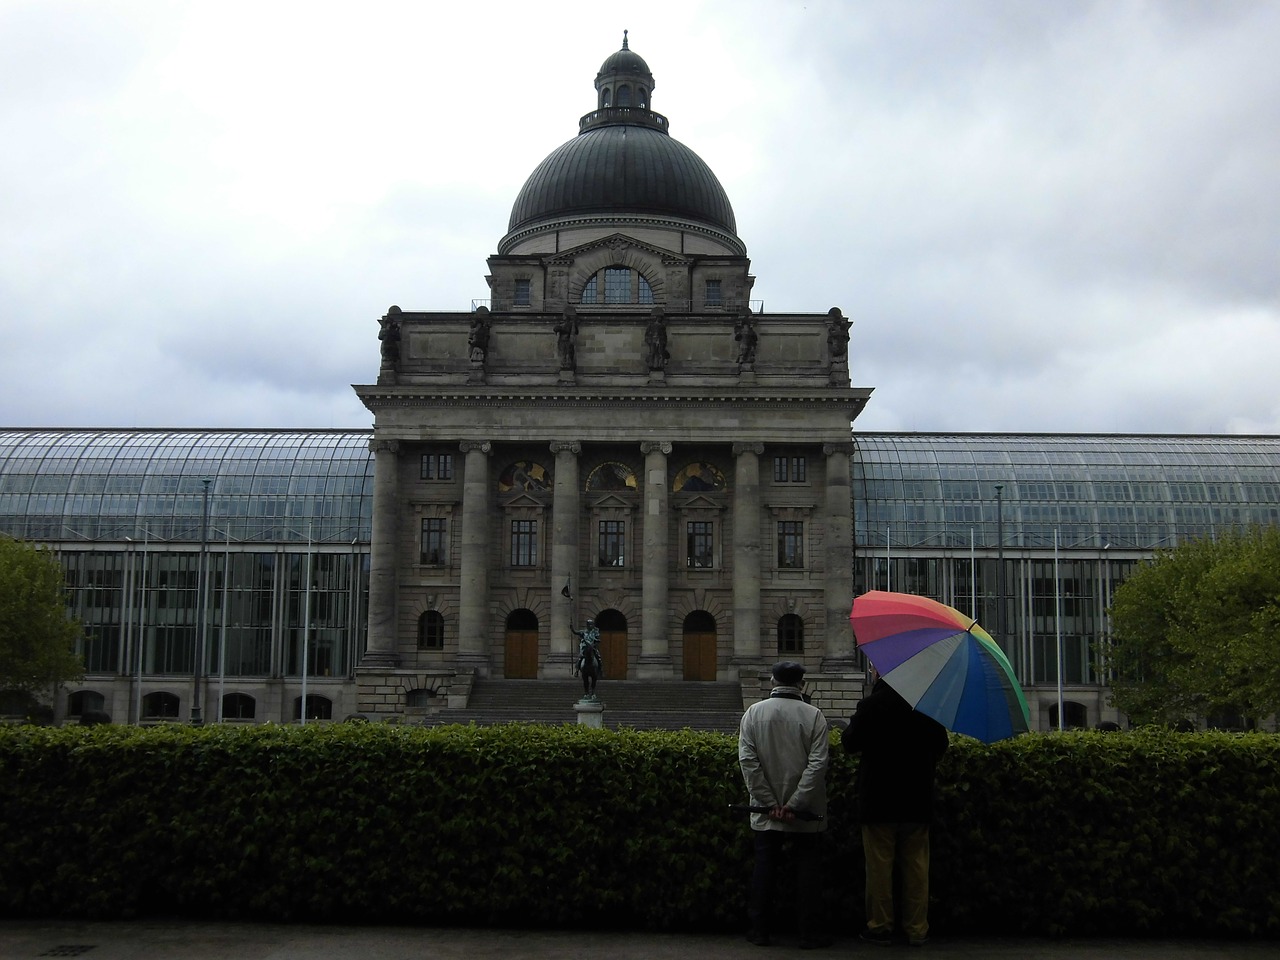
(900, 748)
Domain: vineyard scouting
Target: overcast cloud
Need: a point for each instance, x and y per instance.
(1041, 216)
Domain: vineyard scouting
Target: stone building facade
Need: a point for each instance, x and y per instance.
(620, 434)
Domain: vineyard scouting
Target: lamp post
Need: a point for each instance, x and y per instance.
(197, 711)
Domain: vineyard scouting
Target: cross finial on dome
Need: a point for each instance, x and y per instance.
(624, 41)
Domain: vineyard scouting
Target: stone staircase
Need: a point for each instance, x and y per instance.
(638, 704)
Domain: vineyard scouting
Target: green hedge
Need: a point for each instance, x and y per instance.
(1146, 833)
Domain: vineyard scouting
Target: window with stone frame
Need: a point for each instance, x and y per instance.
(524, 543)
(790, 545)
(431, 630)
(790, 470)
(612, 543)
(437, 466)
(435, 542)
(617, 285)
(713, 295)
(524, 293)
(790, 634)
(700, 544)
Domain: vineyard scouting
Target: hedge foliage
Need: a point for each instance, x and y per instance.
(1080, 834)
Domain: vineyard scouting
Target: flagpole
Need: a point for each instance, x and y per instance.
(888, 561)
(567, 592)
(973, 579)
(1057, 615)
(222, 631)
(142, 627)
(306, 629)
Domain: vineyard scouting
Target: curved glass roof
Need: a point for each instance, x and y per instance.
(271, 485)
(921, 490)
(1094, 491)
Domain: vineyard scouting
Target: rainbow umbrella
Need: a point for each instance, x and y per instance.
(942, 663)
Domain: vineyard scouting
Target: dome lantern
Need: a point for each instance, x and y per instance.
(624, 80)
(622, 167)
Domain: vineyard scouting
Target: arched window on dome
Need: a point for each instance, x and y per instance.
(606, 97)
(642, 100)
(624, 96)
(617, 285)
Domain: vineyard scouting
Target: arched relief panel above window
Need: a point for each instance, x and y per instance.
(699, 478)
(524, 476)
(612, 475)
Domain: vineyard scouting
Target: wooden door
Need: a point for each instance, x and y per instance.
(613, 651)
(699, 656)
(520, 661)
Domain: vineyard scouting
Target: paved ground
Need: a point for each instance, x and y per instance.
(152, 940)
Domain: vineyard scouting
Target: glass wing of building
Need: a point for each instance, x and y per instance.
(260, 539)
(1131, 492)
(262, 486)
(1030, 534)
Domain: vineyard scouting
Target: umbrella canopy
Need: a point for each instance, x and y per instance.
(942, 663)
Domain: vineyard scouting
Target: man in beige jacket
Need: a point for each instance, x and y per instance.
(782, 750)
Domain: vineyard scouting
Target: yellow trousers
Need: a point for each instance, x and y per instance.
(907, 846)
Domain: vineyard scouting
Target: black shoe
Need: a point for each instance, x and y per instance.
(881, 938)
(758, 938)
(815, 943)
(918, 941)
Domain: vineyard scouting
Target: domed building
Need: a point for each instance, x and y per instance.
(617, 433)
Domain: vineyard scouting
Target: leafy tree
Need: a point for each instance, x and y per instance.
(1196, 631)
(37, 636)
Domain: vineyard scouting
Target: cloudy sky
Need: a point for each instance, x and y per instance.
(1041, 216)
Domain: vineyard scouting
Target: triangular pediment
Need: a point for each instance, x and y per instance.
(619, 244)
(700, 502)
(524, 500)
(610, 501)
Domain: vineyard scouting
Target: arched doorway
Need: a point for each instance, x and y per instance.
(699, 646)
(613, 644)
(520, 656)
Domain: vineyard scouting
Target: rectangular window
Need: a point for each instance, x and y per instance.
(789, 470)
(437, 466)
(524, 290)
(524, 543)
(612, 543)
(700, 545)
(790, 545)
(433, 541)
(713, 293)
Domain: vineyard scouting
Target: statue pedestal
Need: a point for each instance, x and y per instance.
(590, 713)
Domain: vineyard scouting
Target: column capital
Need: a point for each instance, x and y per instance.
(740, 448)
(566, 446)
(846, 448)
(655, 446)
(384, 446)
(484, 446)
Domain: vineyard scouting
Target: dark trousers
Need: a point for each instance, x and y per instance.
(806, 851)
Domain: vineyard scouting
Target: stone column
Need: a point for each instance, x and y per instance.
(838, 559)
(746, 554)
(381, 649)
(655, 649)
(474, 629)
(565, 512)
